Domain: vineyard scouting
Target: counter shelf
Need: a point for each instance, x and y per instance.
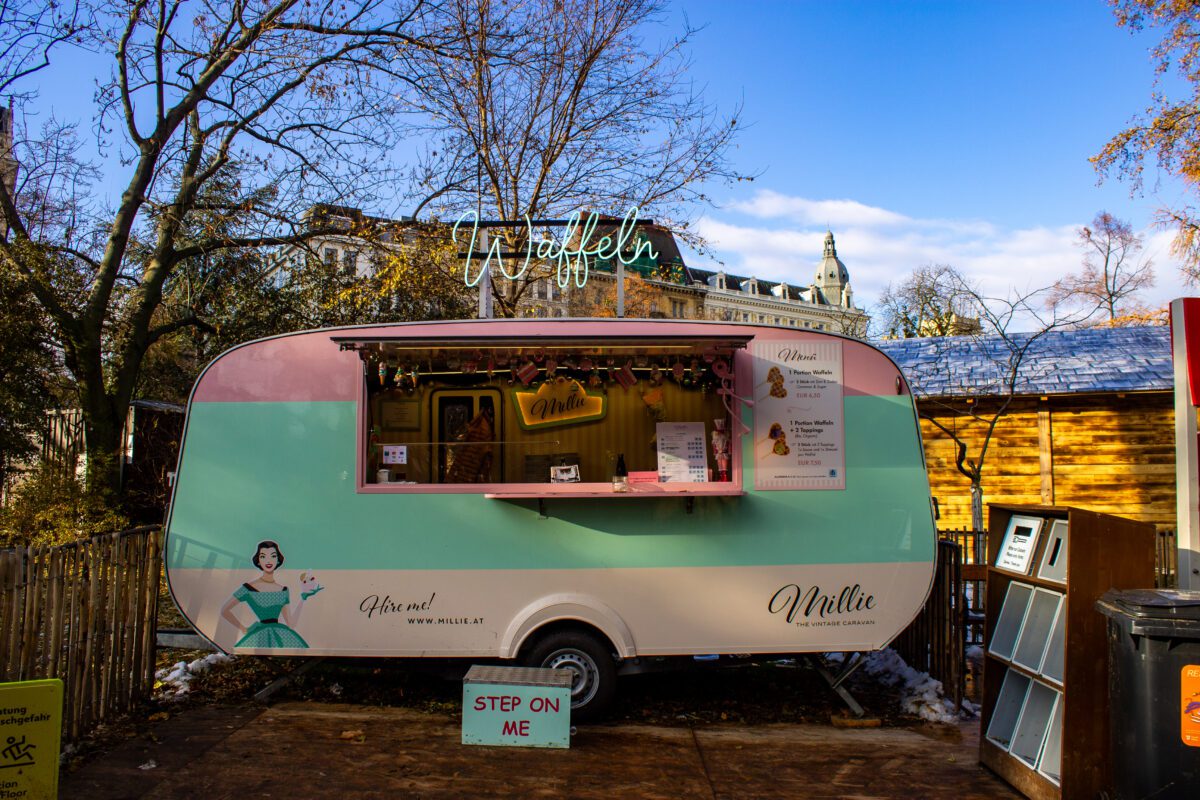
(637, 491)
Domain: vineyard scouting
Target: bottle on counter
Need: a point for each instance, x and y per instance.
(620, 475)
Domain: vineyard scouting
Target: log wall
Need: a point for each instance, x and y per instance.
(1109, 453)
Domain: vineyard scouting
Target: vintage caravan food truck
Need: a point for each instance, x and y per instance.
(581, 494)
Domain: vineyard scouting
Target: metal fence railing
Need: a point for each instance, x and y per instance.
(1166, 561)
(83, 612)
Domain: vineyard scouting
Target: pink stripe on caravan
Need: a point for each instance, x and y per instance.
(310, 366)
(867, 371)
(301, 367)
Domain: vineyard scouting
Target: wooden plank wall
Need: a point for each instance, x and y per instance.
(1109, 453)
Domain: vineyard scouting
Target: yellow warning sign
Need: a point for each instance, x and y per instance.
(1189, 695)
(30, 732)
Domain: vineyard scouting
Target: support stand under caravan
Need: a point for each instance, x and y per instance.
(850, 664)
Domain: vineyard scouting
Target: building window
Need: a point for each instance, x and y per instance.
(331, 255)
(350, 262)
(678, 309)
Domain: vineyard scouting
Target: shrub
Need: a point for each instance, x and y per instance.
(49, 508)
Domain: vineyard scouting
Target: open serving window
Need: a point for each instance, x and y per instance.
(545, 417)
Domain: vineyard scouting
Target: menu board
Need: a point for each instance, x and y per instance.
(799, 423)
(1019, 542)
(681, 454)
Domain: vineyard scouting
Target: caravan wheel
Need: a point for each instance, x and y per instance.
(592, 667)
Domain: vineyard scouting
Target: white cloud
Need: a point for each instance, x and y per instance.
(768, 204)
(783, 236)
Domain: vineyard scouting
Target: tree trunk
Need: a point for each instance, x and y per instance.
(976, 506)
(103, 435)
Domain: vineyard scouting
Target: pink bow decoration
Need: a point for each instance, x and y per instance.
(625, 375)
(721, 370)
(527, 373)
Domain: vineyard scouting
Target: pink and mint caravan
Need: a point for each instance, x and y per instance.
(581, 494)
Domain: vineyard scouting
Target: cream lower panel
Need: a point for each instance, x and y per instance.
(654, 611)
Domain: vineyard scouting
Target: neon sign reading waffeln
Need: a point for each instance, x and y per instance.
(569, 260)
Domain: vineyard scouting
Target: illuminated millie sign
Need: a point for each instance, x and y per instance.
(558, 402)
(568, 258)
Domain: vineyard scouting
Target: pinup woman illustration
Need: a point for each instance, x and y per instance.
(271, 603)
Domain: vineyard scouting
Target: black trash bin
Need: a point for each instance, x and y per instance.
(1154, 692)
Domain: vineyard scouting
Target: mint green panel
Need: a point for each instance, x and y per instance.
(285, 472)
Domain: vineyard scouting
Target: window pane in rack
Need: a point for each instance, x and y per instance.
(1034, 722)
(1035, 633)
(1008, 623)
(1052, 663)
(1008, 708)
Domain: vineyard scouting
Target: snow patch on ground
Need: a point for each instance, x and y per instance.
(175, 682)
(919, 693)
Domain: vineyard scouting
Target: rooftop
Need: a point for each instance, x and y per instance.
(1060, 362)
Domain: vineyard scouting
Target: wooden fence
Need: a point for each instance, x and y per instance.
(83, 612)
(934, 642)
(974, 576)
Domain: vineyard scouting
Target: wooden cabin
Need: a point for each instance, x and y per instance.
(1091, 423)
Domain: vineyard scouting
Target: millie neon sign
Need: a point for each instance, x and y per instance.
(571, 262)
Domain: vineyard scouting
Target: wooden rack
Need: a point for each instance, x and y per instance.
(1045, 689)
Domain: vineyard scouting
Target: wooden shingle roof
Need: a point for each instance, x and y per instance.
(1083, 361)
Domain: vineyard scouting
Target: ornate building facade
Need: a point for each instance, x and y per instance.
(662, 286)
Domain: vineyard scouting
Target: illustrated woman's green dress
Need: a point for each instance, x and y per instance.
(268, 631)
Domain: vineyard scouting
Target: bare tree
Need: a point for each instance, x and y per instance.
(561, 105)
(935, 300)
(986, 371)
(277, 103)
(1113, 271)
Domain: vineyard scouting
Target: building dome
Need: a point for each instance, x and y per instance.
(831, 272)
(833, 280)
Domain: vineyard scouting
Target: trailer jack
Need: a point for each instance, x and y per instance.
(850, 665)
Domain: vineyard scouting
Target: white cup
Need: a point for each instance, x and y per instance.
(384, 476)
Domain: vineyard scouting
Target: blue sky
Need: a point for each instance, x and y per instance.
(948, 131)
(927, 131)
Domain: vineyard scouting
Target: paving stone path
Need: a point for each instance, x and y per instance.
(300, 750)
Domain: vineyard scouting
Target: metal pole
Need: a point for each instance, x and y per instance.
(620, 287)
(485, 282)
(1187, 460)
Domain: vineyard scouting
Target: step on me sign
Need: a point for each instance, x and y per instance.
(570, 255)
(517, 706)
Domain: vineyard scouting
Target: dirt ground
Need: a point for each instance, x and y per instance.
(363, 730)
(312, 750)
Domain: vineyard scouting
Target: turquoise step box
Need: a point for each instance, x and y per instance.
(517, 707)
